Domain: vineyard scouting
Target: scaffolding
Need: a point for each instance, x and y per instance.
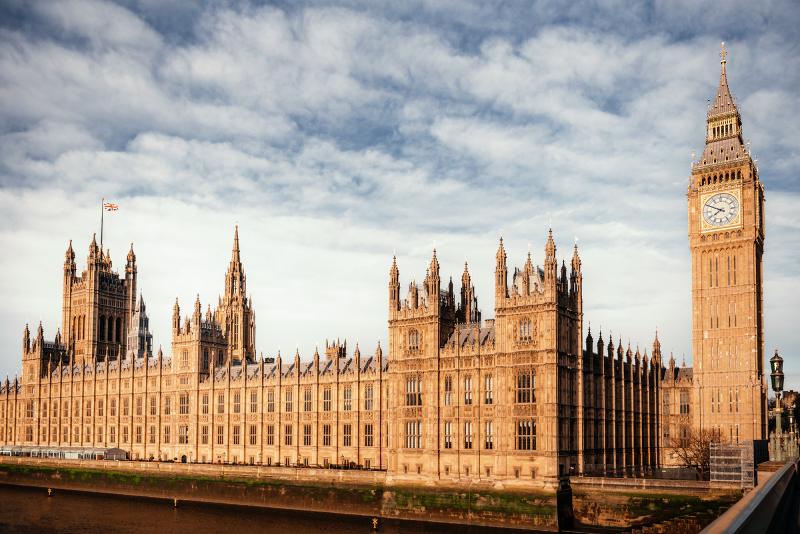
(733, 464)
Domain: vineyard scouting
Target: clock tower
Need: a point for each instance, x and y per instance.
(726, 238)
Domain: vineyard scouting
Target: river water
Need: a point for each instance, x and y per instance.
(29, 510)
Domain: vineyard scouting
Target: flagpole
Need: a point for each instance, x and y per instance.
(102, 209)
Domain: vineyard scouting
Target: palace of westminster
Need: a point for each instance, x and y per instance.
(453, 397)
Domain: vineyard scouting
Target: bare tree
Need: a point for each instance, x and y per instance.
(693, 448)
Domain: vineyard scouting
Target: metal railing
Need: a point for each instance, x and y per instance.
(770, 507)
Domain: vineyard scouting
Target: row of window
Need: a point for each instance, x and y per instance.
(219, 435)
(684, 402)
(183, 404)
(724, 177)
(524, 393)
(524, 437)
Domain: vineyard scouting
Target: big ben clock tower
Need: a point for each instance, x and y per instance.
(726, 237)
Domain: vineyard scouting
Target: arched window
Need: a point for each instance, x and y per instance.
(525, 329)
(413, 340)
(110, 331)
(525, 386)
(101, 335)
(205, 359)
(220, 358)
(118, 331)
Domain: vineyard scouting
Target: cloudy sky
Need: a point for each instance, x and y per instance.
(337, 134)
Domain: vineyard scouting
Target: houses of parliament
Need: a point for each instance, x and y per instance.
(525, 398)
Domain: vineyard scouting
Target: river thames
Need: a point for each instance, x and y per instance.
(30, 510)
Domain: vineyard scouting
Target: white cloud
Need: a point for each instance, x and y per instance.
(335, 135)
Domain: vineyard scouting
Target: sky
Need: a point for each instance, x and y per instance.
(338, 134)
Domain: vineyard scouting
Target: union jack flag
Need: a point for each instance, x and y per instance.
(110, 206)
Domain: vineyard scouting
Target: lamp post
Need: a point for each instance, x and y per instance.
(776, 377)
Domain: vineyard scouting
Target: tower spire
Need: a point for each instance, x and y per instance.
(723, 103)
(235, 254)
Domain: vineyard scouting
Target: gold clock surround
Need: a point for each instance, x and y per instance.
(705, 227)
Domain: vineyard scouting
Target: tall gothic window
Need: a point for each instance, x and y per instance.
(685, 402)
(413, 434)
(235, 331)
(526, 435)
(525, 329)
(488, 389)
(413, 391)
(348, 398)
(326, 399)
(288, 404)
(525, 386)
(448, 390)
(413, 340)
(307, 400)
(368, 397)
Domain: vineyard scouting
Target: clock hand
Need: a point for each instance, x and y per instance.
(715, 208)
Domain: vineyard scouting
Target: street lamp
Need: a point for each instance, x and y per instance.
(776, 377)
(776, 363)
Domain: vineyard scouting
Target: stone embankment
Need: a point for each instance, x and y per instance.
(596, 502)
(362, 493)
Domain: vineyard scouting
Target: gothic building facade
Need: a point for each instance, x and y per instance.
(522, 399)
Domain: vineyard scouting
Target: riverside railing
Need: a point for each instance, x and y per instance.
(770, 507)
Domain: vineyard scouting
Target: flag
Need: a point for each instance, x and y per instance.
(110, 206)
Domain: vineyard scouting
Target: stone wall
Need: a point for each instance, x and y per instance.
(629, 502)
(365, 493)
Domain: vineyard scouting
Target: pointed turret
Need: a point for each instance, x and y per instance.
(550, 265)
(131, 256)
(468, 307)
(69, 256)
(656, 348)
(26, 339)
(500, 275)
(197, 310)
(176, 316)
(589, 341)
(394, 286)
(600, 344)
(94, 251)
(434, 281)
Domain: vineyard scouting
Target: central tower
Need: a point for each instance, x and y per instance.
(726, 238)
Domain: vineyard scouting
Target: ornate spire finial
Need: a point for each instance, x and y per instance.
(236, 242)
(722, 53)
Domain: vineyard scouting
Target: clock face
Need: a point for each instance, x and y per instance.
(721, 209)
